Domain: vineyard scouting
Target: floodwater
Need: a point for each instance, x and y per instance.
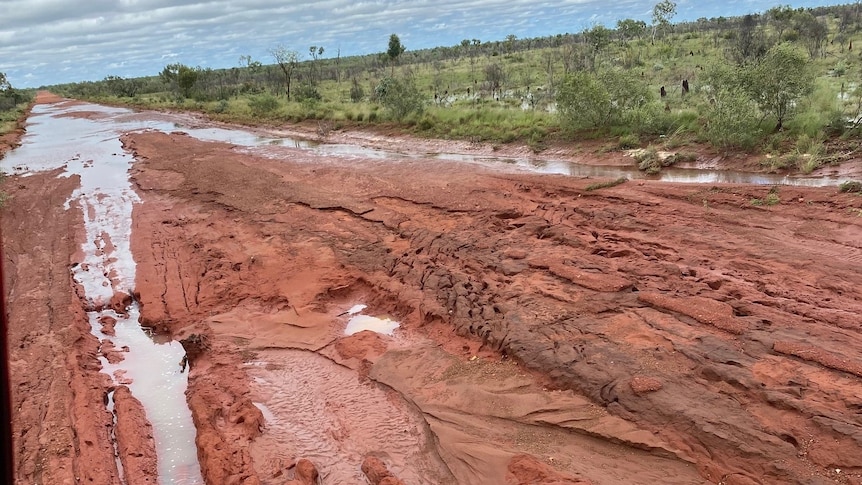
(274, 145)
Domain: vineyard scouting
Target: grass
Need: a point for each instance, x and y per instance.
(9, 118)
(460, 103)
(772, 198)
(605, 185)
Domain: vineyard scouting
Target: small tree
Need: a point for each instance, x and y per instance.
(396, 48)
(287, 61)
(315, 52)
(597, 38)
(628, 29)
(510, 43)
(749, 42)
(778, 81)
(662, 12)
(180, 77)
(495, 76)
(813, 33)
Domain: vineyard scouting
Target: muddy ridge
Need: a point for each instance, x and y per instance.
(644, 333)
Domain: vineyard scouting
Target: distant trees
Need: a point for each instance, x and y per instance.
(781, 18)
(9, 96)
(180, 78)
(251, 68)
(121, 87)
(628, 29)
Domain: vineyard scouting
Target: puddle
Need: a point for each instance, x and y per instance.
(359, 323)
(318, 410)
(91, 149)
(273, 145)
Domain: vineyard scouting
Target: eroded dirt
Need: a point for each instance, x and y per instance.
(645, 333)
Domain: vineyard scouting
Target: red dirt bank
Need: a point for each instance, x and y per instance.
(656, 325)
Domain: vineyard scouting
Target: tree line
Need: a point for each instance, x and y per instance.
(731, 81)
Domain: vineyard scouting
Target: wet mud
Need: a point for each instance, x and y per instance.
(650, 332)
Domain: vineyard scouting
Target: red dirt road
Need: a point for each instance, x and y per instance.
(645, 333)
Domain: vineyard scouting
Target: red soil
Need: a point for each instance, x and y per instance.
(645, 333)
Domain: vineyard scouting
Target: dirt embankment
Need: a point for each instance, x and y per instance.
(669, 324)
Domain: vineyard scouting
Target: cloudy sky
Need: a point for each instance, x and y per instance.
(44, 42)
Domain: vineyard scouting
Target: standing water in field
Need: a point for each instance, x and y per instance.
(91, 149)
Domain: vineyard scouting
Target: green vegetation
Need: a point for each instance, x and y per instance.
(772, 198)
(782, 83)
(13, 103)
(851, 186)
(604, 185)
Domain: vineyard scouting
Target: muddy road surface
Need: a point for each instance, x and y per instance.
(505, 327)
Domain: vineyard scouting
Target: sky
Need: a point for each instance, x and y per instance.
(45, 42)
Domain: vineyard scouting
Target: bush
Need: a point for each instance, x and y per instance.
(649, 161)
(307, 94)
(399, 97)
(772, 198)
(732, 121)
(851, 186)
(263, 104)
(629, 141)
(587, 100)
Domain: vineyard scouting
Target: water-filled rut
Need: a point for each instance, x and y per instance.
(105, 272)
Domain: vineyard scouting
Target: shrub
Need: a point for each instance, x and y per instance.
(732, 121)
(399, 97)
(588, 100)
(772, 198)
(628, 141)
(263, 104)
(307, 94)
(649, 161)
(851, 186)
